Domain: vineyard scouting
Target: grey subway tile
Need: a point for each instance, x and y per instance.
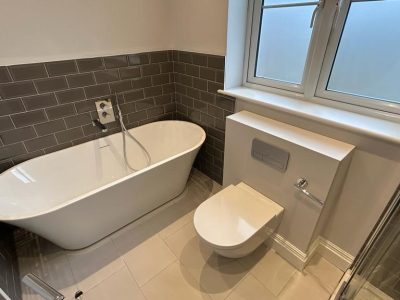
(4, 75)
(167, 67)
(127, 108)
(71, 95)
(11, 151)
(80, 80)
(69, 135)
(144, 104)
(200, 105)
(189, 102)
(155, 111)
(150, 69)
(85, 105)
(28, 71)
(90, 64)
(50, 127)
(184, 79)
(78, 120)
(200, 84)
(168, 88)
(9, 107)
(18, 135)
(164, 99)
(17, 89)
(170, 108)
(39, 101)
(185, 57)
(216, 62)
(225, 103)
(200, 59)
(64, 67)
(219, 76)
(97, 90)
(207, 73)
(60, 111)
(160, 79)
(153, 91)
(106, 76)
(192, 70)
(137, 116)
(134, 95)
(179, 67)
(40, 143)
(193, 93)
(29, 118)
(213, 87)
(51, 84)
(132, 72)
(58, 147)
(116, 61)
(121, 86)
(159, 56)
(6, 123)
(141, 82)
(138, 59)
(215, 112)
(207, 97)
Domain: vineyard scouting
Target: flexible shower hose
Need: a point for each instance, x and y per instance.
(125, 132)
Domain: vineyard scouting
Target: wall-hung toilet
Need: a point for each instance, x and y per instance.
(301, 171)
(235, 221)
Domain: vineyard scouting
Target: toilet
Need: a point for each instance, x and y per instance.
(235, 221)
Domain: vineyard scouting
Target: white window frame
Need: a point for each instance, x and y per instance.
(328, 26)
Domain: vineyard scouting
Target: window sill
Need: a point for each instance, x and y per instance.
(385, 130)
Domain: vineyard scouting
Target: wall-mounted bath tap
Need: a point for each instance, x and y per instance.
(105, 111)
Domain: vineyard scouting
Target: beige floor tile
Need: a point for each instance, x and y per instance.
(92, 265)
(173, 283)
(148, 259)
(217, 275)
(179, 240)
(326, 274)
(119, 286)
(303, 286)
(176, 225)
(269, 268)
(250, 289)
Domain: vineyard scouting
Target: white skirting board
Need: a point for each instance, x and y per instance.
(332, 253)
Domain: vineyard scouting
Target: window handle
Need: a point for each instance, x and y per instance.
(319, 6)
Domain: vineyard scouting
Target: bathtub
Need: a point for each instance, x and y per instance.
(79, 195)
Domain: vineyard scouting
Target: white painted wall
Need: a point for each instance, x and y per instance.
(200, 25)
(45, 30)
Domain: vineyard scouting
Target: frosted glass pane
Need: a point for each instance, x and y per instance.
(283, 45)
(367, 62)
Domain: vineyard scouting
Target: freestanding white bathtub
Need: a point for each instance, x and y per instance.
(76, 196)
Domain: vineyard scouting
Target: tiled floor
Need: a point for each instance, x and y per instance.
(160, 257)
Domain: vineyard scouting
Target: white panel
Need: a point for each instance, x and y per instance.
(301, 214)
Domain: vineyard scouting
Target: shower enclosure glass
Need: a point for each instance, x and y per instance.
(375, 274)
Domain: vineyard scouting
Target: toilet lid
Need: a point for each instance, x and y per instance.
(232, 216)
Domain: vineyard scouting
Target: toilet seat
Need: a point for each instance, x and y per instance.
(232, 217)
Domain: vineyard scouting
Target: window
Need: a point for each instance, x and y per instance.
(346, 51)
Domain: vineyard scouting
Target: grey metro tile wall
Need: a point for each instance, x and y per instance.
(45, 107)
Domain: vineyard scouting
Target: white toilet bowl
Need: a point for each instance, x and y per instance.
(235, 221)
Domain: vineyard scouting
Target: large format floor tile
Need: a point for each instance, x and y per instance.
(269, 268)
(160, 256)
(325, 273)
(173, 283)
(148, 259)
(94, 264)
(119, 286)
(250, 288)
